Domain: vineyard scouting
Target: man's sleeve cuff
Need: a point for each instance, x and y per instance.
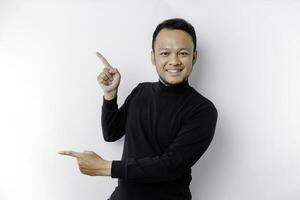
(110, 104)
(118, 169)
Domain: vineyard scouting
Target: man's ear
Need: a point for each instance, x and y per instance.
(152, 58)
(195, 55)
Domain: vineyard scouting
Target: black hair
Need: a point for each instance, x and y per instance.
(175, 23)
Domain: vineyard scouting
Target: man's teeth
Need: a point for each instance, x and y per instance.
(173, 70)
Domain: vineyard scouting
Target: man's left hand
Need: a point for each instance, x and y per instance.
(90, 163)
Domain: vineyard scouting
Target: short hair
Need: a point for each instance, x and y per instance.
(175, 23)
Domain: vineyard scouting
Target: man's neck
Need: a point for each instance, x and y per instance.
(170, 85)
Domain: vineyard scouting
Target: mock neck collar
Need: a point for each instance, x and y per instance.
(178, 88)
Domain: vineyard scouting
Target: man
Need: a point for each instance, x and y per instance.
(167, 124)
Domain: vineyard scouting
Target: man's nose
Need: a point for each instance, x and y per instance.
(174, 60)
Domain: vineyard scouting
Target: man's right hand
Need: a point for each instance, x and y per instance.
(109, 79)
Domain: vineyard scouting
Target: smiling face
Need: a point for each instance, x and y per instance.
(173, 56)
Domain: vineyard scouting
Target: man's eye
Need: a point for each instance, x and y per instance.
(164, 53)
(184, 53)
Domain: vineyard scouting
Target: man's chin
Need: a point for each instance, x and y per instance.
(172, 82)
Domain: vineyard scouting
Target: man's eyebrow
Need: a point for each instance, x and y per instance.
(178, 49)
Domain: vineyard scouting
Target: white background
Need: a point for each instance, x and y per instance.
(248, 66)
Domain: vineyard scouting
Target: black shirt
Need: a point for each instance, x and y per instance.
(167, 129)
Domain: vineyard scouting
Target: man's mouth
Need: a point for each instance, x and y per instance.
(174, 71)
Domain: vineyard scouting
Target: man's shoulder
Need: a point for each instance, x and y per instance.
(145, 84)
(141, 86)
(200, 106)
(200, 99)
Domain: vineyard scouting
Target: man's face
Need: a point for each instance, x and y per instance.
(173, 50)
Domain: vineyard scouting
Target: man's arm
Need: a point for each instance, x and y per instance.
(113, 119)
(189, 145)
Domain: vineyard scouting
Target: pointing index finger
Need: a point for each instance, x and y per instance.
(70, 153)
(104, 61)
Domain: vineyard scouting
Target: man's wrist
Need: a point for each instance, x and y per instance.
(110, 95)
(108, 165)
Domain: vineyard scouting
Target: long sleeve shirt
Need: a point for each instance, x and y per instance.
(167, 129)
